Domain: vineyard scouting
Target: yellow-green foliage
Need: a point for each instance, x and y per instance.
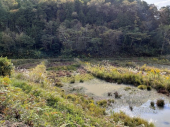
(59, 84)
(142, 87)
(86, 103)
(44, 106)
(28, 102)
(72, 80)
(37, 74)
(77, 78)
(128, 122)
(148, 76)
(150, 69)
(159, 60)
(111, 101)
(71, 97)
(102, 103)
(6, 81)
(127, 88)
(6, 67)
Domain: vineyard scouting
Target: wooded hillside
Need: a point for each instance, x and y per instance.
(41, 28)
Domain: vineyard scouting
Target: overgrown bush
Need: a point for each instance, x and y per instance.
(142, 87)
(71, 97)
(111, 101)
(102, 103)
(160, 103)
(152, 104)
(5, 81)
(59, 84)
(37, 74)
(6, 67)
(127, 88)
(81, 80)
(72, 81)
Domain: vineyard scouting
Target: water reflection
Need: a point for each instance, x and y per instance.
(159, 116)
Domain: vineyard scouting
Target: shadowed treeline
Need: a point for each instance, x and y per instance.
(41, 28)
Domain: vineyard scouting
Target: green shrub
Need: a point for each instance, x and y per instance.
(160, 103)
(152, 104)
(19, 76)
(158, 85)
(51, 100)
(59, 84)
(127, 88)
(23, 85)
(142, 87)
(6, 67)
(111, 101)
(102, 103)
(72, 81)
(117, 95)
(131, 108)
(81, 80)
(36, 93)
(71, 97)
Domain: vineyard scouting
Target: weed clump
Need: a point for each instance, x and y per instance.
(131, 108)
(71, 97)
(117, 95)
(127, 122)
(81, 80)
(152, 104)
(37, 74)
(127, 88)
(160, 103)
(142, 87)
(59, 84)
(109, 94)
(102, 103)
(72, 81)
(111, 101)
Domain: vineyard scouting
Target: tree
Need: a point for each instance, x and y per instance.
(24, 41)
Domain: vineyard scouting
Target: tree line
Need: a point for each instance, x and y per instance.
(97, 28)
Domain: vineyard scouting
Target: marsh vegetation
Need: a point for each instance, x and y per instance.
(88, 93)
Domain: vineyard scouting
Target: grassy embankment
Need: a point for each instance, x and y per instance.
(30, 98)
(149, 76)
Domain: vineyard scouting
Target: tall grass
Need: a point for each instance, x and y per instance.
(149, 77)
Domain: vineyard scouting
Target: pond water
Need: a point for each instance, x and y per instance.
(159, 116)
(100, 87)
(138, 99)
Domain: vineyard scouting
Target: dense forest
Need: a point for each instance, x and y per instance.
(94, 28)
